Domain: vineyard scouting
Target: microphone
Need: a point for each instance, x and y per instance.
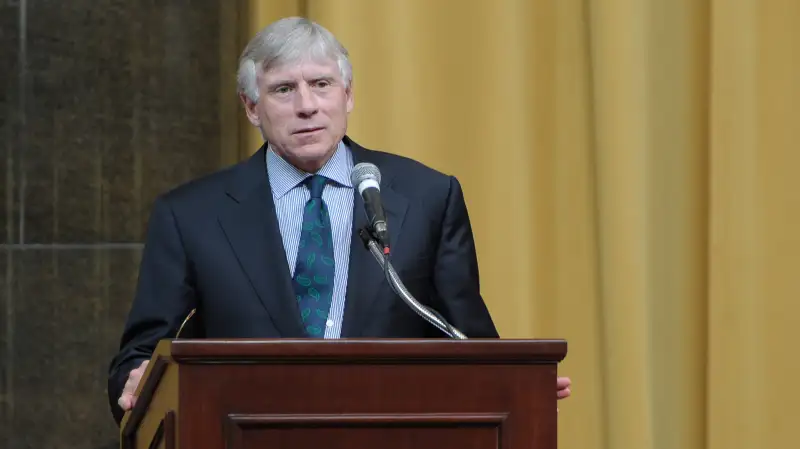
(367, 179)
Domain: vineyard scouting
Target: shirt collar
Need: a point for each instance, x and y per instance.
(284, 176)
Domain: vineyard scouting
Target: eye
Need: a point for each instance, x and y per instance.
(323, 83)
(282, 90)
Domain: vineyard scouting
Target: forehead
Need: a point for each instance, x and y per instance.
(303, 69)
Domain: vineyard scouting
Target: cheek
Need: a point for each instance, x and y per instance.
(338, 111)
(276, 121)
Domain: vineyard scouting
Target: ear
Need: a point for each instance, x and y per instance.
(350, 99)
(250, 110)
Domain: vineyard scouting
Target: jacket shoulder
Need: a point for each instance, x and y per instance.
(405, 170)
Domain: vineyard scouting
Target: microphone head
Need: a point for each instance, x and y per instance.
(364, 171)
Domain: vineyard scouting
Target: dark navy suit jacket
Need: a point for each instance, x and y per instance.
(214, 245)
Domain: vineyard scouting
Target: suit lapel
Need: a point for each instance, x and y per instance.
(251, 227)
(365, 278)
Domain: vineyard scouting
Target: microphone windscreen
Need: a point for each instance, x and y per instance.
(364, 171)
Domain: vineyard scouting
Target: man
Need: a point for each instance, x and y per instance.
(268, 248)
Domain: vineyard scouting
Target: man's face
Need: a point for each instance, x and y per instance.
(302, 111)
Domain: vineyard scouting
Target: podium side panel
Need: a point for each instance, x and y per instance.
(153, 421)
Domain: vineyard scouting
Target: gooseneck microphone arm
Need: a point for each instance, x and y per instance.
(397, 285)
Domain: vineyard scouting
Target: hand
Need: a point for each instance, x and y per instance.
(562, 387)
(127, 400)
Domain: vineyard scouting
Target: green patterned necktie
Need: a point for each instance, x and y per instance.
(313, 273)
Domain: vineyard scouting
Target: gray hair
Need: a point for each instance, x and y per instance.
(285, 41)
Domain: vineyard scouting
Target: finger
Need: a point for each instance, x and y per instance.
(136, 374)
(129, 387)
(563, 382)
(124, 402)
(565, 393)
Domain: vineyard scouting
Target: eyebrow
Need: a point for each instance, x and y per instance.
(279, 83)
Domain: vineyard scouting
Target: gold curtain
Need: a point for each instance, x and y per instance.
(631, 170)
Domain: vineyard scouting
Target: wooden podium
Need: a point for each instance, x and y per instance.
(353, 394)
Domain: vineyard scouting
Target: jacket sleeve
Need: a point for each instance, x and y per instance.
(164, 296)
(456, 277)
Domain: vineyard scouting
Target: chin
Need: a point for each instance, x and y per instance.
(314, 150)
(309, 154)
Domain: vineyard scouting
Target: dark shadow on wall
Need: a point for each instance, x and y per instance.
(104, 104)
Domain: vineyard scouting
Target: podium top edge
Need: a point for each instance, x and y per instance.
(348, 350)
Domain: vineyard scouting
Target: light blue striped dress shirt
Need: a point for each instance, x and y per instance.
(290, 197)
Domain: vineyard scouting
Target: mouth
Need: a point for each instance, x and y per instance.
(308, 130)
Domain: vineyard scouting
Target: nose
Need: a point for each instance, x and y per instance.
(305, 101)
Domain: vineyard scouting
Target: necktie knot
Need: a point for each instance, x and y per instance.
(316, 184)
